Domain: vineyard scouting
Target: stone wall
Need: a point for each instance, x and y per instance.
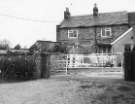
(45, 65)
(42, 65)
(57, 61)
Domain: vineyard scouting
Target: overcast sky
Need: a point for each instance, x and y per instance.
(25, 21)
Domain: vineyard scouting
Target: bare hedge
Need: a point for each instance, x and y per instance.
(17, 67)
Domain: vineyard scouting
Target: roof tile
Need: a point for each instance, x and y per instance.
(112, 18)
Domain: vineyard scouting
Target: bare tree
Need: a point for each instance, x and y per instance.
(4, 44)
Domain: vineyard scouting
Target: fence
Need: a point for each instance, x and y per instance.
(94, 60)
(64, 62)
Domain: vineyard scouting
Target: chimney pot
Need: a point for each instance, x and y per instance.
(67, 13)
(95, 10)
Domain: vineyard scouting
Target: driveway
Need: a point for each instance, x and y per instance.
(69, 89)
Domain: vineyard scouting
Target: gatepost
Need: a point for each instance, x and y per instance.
(45, 65)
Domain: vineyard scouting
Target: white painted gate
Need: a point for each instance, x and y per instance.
(102, 62)
(93, 60)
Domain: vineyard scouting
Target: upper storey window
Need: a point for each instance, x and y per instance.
(107, 32)
(73, 34)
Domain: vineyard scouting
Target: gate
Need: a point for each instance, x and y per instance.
(94, 62)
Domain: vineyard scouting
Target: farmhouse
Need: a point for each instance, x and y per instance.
(97, 32)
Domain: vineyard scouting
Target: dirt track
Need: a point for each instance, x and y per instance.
(69, 90)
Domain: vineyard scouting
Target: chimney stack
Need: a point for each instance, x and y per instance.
(66, 14)
(95, 10)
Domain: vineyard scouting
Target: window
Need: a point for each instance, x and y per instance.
(72, 33)
(107, 32)
(104, 50)
(104, 32)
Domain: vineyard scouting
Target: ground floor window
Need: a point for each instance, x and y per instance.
(104, 50)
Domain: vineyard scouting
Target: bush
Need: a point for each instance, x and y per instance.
(18, 68)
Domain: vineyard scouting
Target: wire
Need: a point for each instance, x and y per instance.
(27, 19)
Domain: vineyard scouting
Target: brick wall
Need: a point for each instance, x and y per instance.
(86, 36)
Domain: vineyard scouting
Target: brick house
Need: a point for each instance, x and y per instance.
(97, 32)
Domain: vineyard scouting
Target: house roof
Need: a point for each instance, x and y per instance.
(43, 41)
(120, 37)
(46, 46)
(113, 18)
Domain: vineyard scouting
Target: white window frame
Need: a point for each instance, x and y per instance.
(72, 31)
(105, 32)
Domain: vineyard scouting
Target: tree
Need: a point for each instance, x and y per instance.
(4, 44)
(17, 46)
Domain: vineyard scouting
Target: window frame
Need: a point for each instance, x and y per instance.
(108, 29)
(72, 31)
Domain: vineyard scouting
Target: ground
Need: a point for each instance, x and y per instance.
(69, 89)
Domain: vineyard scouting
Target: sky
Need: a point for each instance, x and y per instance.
(26, 21)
